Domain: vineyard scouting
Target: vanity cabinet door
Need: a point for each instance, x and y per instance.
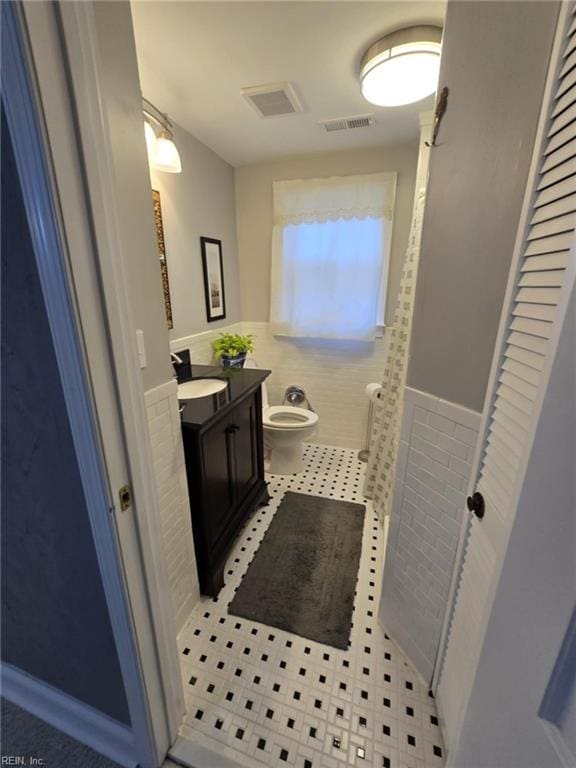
(218, 475)
(245, 447)
(225, 470)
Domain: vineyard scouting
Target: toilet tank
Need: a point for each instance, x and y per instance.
(251, 363)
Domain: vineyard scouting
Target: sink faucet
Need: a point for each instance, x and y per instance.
(175, 361)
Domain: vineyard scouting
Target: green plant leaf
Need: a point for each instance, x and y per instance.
(232, 344)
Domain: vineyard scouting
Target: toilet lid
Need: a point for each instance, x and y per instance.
(288, 417)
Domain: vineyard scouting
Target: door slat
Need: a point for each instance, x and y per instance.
(554, 226)
(535, 311)
(539, 328)
(553, 210)
(527, 341)
(563, 171)
(522, 371)
(531, 359)
(550, 244)
(539, 295)
(515, 398)
(518, 385)
(555, 192)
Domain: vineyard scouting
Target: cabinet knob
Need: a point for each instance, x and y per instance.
(232, 428)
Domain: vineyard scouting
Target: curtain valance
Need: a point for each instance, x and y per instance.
(337, 197)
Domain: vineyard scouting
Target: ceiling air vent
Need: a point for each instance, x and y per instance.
(347, 123)
(273, 100)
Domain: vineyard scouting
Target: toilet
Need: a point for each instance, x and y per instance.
(286, 429)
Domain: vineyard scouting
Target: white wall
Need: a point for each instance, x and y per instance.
(254, 212)
(435, 456)
(121, 88)
(175, 520)
(334, 375)
(136, 221)
(197, 202)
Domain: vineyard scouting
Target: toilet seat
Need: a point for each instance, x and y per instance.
(284, 417)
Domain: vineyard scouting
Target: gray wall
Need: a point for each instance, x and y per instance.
(494, 61)
(198, 202)
(254, 212)
(55, 623)
(121, 88)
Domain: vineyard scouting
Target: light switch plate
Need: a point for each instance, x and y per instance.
(141, 348)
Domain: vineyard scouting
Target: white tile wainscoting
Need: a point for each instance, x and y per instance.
(333, 373)
(437, 446)
(172, 487)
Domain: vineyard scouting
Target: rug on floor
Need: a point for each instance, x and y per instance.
(303, 576)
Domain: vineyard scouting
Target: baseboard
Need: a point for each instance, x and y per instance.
(80, 721)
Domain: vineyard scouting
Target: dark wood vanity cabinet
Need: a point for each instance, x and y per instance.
(225, 469)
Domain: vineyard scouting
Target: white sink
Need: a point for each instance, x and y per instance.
(200, 388)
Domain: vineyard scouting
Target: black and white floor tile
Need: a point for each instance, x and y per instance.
(263, 697)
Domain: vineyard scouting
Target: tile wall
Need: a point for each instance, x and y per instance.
(170, 474)
(333, 373)
(437, 446)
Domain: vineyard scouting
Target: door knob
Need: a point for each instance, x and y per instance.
(476, 504)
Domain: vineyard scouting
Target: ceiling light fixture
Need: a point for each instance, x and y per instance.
(163, 154)
(402, 67)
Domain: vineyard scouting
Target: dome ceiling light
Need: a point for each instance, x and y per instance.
(402, 67)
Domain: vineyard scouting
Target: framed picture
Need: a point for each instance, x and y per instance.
(213, 278)
(162, 255)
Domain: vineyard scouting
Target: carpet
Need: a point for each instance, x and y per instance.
(303, 576)
(27, 737)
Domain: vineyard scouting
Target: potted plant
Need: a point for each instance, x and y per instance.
(231, 349)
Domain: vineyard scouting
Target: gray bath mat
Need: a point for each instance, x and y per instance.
(303, 576)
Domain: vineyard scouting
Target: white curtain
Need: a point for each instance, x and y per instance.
(385, 436)
(330, 252)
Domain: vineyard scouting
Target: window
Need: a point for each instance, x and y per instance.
(330, 256)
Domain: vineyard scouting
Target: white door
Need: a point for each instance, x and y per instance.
(541, 279)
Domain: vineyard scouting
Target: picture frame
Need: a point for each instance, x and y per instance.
(213, 278)
(162, 256)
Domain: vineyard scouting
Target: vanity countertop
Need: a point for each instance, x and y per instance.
(200, 411)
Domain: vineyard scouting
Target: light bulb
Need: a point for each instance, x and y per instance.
(166, 156)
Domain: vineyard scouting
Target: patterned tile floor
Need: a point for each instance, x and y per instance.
(264, 697)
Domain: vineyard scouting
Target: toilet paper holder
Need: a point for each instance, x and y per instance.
(373, 392)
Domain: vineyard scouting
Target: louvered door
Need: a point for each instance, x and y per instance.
(541, 277)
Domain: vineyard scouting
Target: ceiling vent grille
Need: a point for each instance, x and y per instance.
(273, 100)
(348, 123)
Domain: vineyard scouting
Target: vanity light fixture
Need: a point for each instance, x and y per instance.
(162, 152)
(402, 67)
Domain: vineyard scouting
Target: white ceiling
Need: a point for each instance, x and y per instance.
(194, 57)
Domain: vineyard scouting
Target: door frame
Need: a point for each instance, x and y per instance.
(56, 113)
